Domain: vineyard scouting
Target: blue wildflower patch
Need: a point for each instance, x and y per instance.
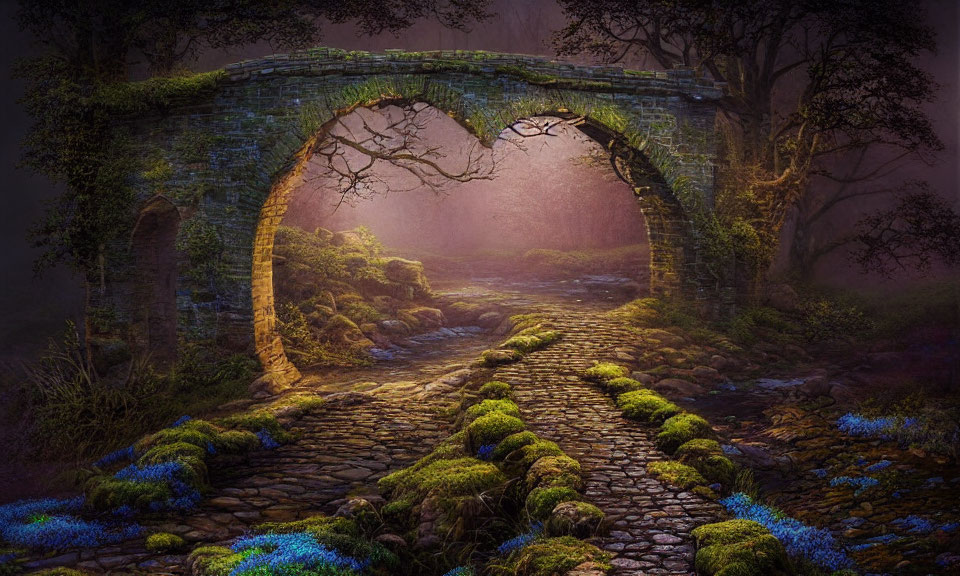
(884, 428)
(174, 475)
(180, 421)
(860, 484)
(289, 554)
(53, 524)
(521, 541)
(881, 465)
(815, 544)
(266, 440)
(127, 454)
(485, 452)
(819, 472)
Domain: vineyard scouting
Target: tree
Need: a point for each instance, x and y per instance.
(806, 81)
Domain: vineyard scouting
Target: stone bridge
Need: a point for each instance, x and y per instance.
(219, 167)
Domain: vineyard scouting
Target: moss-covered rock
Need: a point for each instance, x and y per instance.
(680, 475)
(578, 519)
(492, 428)
(541, 501)
(495, 390)
(707, 457)
(513, 442)
(698, 448)
(485, 407)
(646, 407)
(605, 371)
(523, 458)
(164, 542)
(554, 556)
(444, 478)
(618, 386)
(554, 471)
(739, 548)
(497, 357)
(681, 429)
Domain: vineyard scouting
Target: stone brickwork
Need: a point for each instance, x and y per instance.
(233, 154)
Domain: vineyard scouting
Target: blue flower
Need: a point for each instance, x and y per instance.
(881, 465)
(52, 524)
(485, 452)
(861, 483)
(461, 571)
(266, 440)
(518, 542)
(123, 455)
(180, 421)
(279, 553)
(820, 472)
(884, 428)
(173, 474)
(816, 544)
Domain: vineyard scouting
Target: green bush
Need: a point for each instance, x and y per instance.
(681, 429)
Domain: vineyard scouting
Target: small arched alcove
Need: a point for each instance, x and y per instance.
(155, 285)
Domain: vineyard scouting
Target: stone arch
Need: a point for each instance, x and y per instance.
(232, 147)
(153, 243)
(663, 218)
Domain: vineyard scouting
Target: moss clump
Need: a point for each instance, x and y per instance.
(255, 422)
(739, 548)
(513, 442)
(498, 357)
(214, 560)
(620, 385)
(444, 478)
(552, 556)
(605, 371)
(531, 339)
(530, 453)
(646, 407)
(489, 406)
(680, 475)
(164, 542)
(175, 451)
(579, 519)
(707, 457)
(345, 535)
(60, 572)
(681, 429)
(492, 428)
(554, 471)
(696, 449)
(495, 390)
(541, 501)
(107, 493)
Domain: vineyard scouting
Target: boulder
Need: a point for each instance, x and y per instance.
(489, 319)
(355, 507)
(268, 384)
(678, 387)
(578, 519)
(643, 378)
(781, 297)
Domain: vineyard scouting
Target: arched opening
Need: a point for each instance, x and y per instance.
(608, 153)
(155, 288)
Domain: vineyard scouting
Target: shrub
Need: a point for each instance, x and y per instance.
(164, 542)
(680, 475)
(495, 390)
(604, 371)
(681, 429)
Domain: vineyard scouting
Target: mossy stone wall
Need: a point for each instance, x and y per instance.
(225, 159)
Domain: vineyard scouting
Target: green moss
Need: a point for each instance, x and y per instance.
(164, 542)
(698, 448)
(155, 93)
(621, 385)
(499, 357)
(255, 422)
(175, 451)
(680, 475)
(541, 501)
(646, 407)
(107, 493)
(531, 339)
(681, 429)
(236, 441)
(495, 390)
(758, 556)
(492, 428)
(489, 406)
(60, 571)
(554, 471)
(215, 560)
(553, 556)
(447, 478)
(527, 455)
(345, 535)
(729, 532)
(513, 442)
(584, 523)
(604, 371)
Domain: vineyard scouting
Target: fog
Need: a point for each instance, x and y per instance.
(552, 190)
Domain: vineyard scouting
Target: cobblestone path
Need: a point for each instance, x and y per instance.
(359, 437)
(651, 521)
